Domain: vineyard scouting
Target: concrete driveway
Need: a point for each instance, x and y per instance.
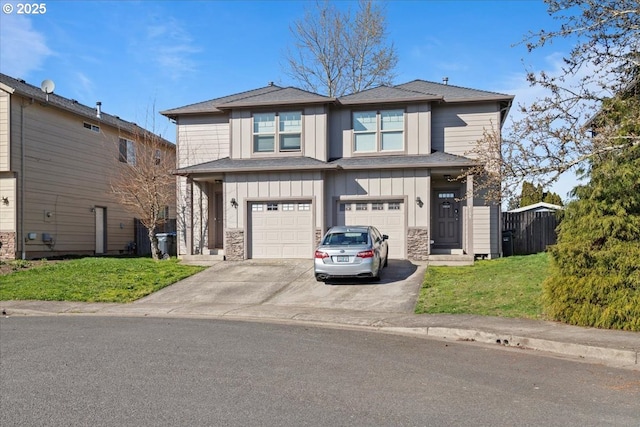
(275, 283)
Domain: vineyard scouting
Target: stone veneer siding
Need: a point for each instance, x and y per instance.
(418, 244)
(8, 245)
(234, 245)
(319, 235)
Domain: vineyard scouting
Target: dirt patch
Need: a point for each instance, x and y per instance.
(8, 267)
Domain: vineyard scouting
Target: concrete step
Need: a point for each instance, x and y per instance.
(450, 260)
(202, 259)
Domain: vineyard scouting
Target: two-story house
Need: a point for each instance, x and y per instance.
(264, 173)
(57, 161)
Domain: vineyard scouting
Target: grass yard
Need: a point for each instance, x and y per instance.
(506, 287)
(93, 279)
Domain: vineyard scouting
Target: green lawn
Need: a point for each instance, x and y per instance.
(507, 287)
(93, 279)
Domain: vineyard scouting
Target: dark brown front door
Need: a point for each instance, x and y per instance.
(218, 223)
(446, 227)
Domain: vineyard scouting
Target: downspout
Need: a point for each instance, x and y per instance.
(22, 180)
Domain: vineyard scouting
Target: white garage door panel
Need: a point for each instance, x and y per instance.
(386, 216)
(285, 231)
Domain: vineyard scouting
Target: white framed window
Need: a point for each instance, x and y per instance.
(272, 206)
(446, 195)
(376, 131)
(377, 206)
(91, 127)
(361, 206)
(288, 207)
(127, 151)
(304, 206)
(394, 206)
(257, 207)
(284, 127)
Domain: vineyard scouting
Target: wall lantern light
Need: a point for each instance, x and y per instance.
(419, 201)
(233, 202)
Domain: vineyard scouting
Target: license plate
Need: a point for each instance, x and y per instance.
(342, 259)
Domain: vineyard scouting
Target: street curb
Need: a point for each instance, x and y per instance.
(610, 355)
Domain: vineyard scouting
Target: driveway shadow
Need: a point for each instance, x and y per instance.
(397, 270)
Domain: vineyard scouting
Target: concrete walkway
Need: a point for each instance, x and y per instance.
(280, 291)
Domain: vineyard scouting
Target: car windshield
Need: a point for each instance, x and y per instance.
(346, 238)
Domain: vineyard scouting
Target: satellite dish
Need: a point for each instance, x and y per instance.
(47, 87)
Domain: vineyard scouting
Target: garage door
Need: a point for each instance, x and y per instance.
(388, 216)
(281, 230)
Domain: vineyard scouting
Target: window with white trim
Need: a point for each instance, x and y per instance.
(376, 131)
(288, 207)
(283, 127)
(127, 149)
(272, 206)
(304, 206)
(257, 207)
(91, 127)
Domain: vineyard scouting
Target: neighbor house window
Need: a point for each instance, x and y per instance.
(127, 151)
(285, 128)
(375, 131)
(91, 127)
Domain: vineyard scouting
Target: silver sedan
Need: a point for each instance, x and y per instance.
(351, 251)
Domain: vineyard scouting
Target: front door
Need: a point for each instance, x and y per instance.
(446, 226)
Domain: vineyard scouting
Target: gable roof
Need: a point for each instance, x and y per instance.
(23, 88)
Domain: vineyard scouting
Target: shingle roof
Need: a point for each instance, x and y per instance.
(436, 159)
(225, 165)
(268, 95)
(71, 105)
(451, 93)
(387, 94)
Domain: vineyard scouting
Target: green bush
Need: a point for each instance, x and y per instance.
(595, 267)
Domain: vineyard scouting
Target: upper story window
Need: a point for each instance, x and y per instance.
(127, 150)
(284, 128)
(375, 131)
(91, 127)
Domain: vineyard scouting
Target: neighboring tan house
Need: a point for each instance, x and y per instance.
(264, 173)
(56, 160)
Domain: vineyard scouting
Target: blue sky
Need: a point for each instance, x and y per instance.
(137, 57)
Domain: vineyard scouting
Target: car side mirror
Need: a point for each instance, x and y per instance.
(385, 237)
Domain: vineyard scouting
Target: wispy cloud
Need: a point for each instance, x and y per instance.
(23, 49)
(171, 47)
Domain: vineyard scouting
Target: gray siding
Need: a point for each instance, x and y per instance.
(203, 139)
(383, 184)
(271, 186)
(456, 128)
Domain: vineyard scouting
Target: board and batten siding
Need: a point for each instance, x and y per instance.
(271, 186)
(382, 185)
(202, 139)
(457, 128)
(314, 134)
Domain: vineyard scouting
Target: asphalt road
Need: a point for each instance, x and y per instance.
(183, 372)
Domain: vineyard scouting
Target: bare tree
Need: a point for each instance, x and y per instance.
(555, 133)
(337, 52)
(143, 181)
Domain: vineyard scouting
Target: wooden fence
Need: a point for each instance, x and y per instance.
(527, 233)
